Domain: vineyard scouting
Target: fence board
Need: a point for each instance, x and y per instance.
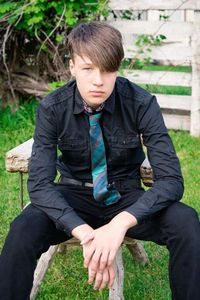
(175, 40)
(165, 55)
(169, 57)
(195, 108)
(177, 122)
(156, 4)
(174, 101)
(159, 77)
(167, 28)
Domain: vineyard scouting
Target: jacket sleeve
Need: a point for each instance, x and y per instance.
(168, 184)
(42, 173)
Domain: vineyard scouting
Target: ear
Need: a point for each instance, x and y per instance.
(71, 67)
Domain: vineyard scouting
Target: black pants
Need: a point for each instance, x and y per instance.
(32, 232)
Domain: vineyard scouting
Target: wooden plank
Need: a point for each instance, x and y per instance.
(17, 158)
(166, 28)
(175, 40)
(189, 15)
(41, 269)
(167, 54)
(116, 292)
(177, 122)
(195, 109)
(174, 101)
(176, 15)
(159, 77)
(156, 4)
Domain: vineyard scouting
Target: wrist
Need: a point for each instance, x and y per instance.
(124, 220)
(81, 231)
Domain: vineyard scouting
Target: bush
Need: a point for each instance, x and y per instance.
(33, 36)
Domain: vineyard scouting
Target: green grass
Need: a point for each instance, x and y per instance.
(159, 89)
(153, 67)
(167, 89)
(66, 278)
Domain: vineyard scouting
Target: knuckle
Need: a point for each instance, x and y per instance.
(92, 271)
(103, 262)
(110, 262)
(94, 263)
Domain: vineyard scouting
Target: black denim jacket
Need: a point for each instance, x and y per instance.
(129, 112)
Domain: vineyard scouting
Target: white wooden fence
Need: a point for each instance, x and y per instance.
(181, 47)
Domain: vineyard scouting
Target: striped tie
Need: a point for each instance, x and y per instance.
(99, 166)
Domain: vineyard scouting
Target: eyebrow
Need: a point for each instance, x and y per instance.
(87, 64)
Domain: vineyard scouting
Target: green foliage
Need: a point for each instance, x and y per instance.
(144, 44)
(150, 40)
(44, 15)
(56, 84)
(34, 38)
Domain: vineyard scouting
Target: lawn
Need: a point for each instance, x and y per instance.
(66, 279)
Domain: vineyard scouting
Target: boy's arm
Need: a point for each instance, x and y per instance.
(42, 173)
(168, 184)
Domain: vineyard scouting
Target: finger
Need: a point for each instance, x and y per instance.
(98, 280)
(87, 238)
(91, 275)
(88, 253)
(94, 262)
(103, 260)
(111, 272)
(111, 257)
(105, 279)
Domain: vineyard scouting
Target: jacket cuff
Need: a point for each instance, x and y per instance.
(68, 222)
(137, 211)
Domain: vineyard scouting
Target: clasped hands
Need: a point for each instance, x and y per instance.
(99, 250)
(100, 247)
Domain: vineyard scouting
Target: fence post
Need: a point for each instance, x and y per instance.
(195, 105)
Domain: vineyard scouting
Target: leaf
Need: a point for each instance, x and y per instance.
(59, 38)
(35, 20)
(7, 7)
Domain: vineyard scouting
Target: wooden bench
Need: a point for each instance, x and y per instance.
(17, 160)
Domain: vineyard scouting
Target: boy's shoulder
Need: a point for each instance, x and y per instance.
(129, 89)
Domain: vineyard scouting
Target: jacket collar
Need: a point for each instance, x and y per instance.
(79, 106)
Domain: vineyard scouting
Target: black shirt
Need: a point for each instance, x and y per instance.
(129, 112)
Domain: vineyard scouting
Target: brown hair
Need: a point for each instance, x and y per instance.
(100, 42)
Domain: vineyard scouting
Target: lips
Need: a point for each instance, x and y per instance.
(97, 93)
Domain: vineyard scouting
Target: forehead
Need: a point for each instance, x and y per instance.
(82, 60)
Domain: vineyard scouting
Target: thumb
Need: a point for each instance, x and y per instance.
(87, 238)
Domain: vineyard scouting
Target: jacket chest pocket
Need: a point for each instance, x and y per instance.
(123, 150)
(74, 151)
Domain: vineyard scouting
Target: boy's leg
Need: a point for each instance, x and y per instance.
(178, 228)
(31, 234)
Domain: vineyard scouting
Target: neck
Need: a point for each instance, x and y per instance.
(90, 108)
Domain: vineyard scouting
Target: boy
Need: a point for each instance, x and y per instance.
(96, 121)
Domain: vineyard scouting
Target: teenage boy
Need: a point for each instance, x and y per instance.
(96, 121)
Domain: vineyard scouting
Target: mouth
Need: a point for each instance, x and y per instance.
(97, 93)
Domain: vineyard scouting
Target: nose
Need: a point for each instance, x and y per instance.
(98, 78)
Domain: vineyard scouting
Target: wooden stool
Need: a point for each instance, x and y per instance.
(17, 161)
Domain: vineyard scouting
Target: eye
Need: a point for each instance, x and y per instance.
(87, 68)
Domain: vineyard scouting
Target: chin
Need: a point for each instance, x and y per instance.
(96, 102)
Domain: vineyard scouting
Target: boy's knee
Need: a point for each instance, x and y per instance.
(183, 221)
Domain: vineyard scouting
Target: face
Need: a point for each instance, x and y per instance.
(95, 86)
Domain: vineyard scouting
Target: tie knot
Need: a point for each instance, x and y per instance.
(94, 119)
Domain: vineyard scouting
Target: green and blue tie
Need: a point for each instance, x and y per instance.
(101, 191)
